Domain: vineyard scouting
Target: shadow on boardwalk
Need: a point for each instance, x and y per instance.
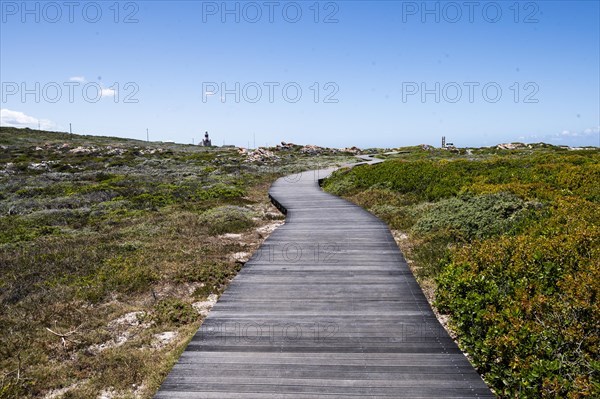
(326, 308)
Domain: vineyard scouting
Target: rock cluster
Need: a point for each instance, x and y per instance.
(351, 150)
(262, 154)
(512, 146)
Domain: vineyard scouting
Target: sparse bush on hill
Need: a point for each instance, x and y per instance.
(95, 228)
(174, 311)
(227, 219)
(397, 217)
(214, 276)
(472, 217)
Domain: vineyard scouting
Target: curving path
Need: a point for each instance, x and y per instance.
(327, 308)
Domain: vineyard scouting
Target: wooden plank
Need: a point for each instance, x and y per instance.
(326, 308)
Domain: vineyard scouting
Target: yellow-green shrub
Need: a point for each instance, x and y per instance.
(527, 307)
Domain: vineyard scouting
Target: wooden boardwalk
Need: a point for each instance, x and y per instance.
(327, 308)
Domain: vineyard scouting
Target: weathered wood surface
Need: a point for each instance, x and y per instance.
(327, 308)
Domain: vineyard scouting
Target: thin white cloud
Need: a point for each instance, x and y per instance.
(590, 131)
(575, 138)
(106, 92)
(20, 119)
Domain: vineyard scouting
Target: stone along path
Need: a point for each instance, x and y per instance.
(327, 308)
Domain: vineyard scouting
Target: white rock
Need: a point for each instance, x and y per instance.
(162, 339)
(78, 150)
(240, 256)
(129, 319)
(268, 229)
(203, 307)
(107, 394)
(59, 393)
(231, 236)
(124, 327)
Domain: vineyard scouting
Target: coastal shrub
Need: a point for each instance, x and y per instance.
(472, 217)
(227, 219)
(174, 311)
(527, 308)
(512, 242)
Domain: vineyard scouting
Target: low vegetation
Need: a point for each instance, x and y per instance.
(510, 241)
(112, 250)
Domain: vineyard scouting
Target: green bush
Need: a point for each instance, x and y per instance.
(15, 229)
(379, 194)
(173, 311)
(513, 241)
(472, 217)
(396, 217)
(119, 274)
(214, 276)
(432, 254)
(340, 182)
(220, 191)
(121, 369)
(550, 175)
(526, 307)
(227, 219)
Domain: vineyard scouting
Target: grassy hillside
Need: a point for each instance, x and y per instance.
(509, 243)
(113, 250)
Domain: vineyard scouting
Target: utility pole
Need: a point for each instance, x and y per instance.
(147, 135)
(192, 141)
(70, 128)
(253, 140)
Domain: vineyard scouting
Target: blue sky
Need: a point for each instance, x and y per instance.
(345, 73)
